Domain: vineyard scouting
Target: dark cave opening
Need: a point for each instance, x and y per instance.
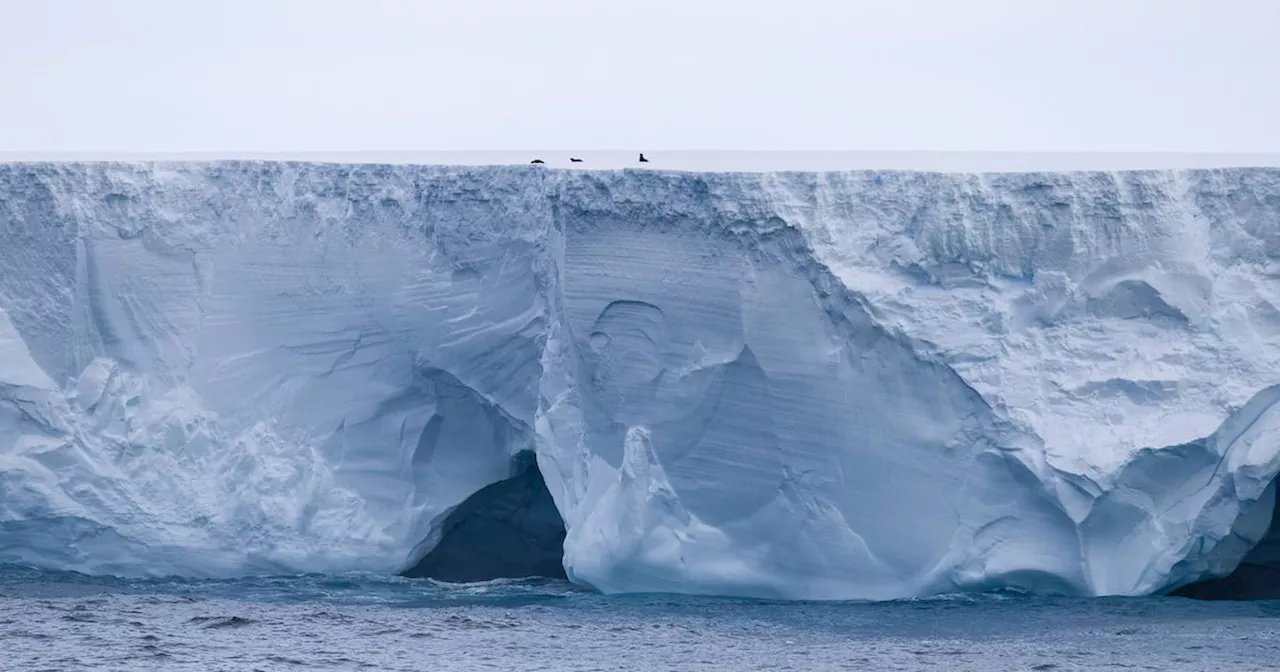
(1256, 578)
(509, 529)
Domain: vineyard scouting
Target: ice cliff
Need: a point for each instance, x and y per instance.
(795, 385)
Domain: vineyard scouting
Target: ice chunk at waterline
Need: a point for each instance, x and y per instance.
(839, 385)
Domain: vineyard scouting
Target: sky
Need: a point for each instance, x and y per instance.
(934, 75)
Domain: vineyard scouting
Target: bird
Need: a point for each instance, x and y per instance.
(642, 159)
(574, 160)
(537, 161)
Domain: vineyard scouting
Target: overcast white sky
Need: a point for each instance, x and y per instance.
(290, 75)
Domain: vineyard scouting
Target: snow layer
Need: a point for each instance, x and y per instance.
(796, 385)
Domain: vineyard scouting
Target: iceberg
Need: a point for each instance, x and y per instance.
(835, 385)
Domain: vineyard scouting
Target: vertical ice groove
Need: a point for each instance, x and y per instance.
(867, 384)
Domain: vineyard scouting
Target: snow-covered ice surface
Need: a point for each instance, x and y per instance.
(715, 161)
(865, 384)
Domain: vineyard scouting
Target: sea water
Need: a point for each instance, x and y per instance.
(65, 621)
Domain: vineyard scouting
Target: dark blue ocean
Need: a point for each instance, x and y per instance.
(61, 621)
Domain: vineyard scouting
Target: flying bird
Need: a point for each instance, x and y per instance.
(574, 160)
(537, 161)
(642, 159)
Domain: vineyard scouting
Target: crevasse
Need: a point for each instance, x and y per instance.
(795, 385)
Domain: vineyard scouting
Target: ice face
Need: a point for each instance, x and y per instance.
(795, 385)
(1257, 575)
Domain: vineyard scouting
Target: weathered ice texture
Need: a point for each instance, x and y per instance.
(1257, 577)
(791, 385)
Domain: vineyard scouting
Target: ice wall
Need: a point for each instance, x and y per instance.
(818, 385)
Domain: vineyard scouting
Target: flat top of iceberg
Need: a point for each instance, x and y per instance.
(720, 161)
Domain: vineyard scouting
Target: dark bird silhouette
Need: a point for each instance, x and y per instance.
(574, 160)
(642, 159)
(537, 161)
